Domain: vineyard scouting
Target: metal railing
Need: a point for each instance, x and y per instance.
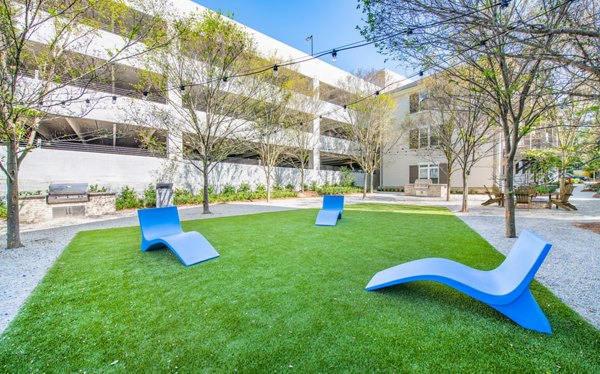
(98, 148)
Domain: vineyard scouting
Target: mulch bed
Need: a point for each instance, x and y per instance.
(592, 226)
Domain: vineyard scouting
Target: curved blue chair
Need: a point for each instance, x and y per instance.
(161, 228)
(333, 208)
(505, 288)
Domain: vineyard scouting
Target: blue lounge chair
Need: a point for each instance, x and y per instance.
(161, 227)
(333, 207)
(505, 288)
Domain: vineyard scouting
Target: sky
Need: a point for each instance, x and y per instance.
(331, 22)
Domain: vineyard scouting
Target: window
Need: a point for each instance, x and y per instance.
(414, 103)
(423, 138)
(429, 171)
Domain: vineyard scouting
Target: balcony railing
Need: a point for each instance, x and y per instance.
(106, 88)
(98, 148)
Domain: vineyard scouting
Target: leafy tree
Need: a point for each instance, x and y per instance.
(46, 49)
(465, 134)
(452, 36)
(208, 104)
(272, 117)
(370, 130)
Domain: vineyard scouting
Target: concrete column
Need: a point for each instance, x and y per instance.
(316, 154)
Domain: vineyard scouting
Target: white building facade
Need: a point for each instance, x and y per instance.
(89, 148)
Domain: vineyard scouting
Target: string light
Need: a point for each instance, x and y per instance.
(421, 73)
(409, 31)
(334, 55)
(114, 99)
(275, 70)
(88, 102)
(182, 88)
(145, 93)
(377, 93)
(504, 3)
(225, 78)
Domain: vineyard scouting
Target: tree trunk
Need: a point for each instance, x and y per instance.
(205, 202)
(509, 203)
(371, 175)
(465, 195)
(302, 179)
(13, 235)
(563, 170)
(365, 185)
(449, 173)
(268, 172)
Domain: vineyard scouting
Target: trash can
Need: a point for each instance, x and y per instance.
(164, 194)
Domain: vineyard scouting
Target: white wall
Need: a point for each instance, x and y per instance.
(45, 166)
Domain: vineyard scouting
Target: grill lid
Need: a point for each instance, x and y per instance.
(68, 189)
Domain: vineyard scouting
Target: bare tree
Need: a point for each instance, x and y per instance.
(210, 96)
(569, 123)
(45, 49)
(370, 126)
(454, 35)
(272, 117)
(465, 133)
(308, 104)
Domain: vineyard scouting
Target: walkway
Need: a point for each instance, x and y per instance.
(571, 271)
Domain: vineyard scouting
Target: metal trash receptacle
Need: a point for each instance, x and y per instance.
(164, 194)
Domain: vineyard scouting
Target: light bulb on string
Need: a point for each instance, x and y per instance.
(225, 78)
(334, 55)
(377, 93)
(182, 88)
(275, 70)
(421, 73)
(114, 99)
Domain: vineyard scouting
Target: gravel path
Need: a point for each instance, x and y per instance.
(571, 271)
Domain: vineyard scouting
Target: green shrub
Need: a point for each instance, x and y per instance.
(228, 190)
(277, 187)
(289, 187)
(244, 188)
(306, 187)
(346, 177)
(30, 193)
(94, 188)
(128, 199)
(3, 210)
(150, 196)
(313, 186)
(182, 197)
(337, 190)
(260, 188)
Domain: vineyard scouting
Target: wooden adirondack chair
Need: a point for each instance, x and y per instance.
(562, 198)
(497, 198)
(523, 196)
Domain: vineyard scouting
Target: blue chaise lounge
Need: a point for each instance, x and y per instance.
(161, 227)
(333, 207)
(505, 288)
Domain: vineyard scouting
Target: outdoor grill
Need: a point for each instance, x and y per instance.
(67, 193)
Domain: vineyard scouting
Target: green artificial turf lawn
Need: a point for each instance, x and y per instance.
(284, 295)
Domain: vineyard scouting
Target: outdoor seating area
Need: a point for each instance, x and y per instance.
(203, 186)
(530, 197)
(282, 293)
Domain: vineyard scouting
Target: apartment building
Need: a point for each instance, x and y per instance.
(416, 155)
(101, 147)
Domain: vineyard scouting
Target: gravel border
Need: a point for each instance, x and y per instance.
(571, 271)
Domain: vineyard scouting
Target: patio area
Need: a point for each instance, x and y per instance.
(570, 272)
